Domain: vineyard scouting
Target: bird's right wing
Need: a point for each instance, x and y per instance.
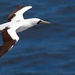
(18, 13)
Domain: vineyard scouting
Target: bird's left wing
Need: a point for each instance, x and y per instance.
(8, 41)
(18, 13)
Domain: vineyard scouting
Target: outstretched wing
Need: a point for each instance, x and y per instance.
(8, 41)
(18, 13)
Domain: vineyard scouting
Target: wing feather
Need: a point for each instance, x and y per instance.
(18, 13)
(8, 42)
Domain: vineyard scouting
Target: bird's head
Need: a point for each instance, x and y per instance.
(35, 21)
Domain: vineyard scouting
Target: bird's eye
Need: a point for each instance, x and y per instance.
(39, 22)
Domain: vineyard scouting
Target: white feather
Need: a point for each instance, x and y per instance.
(19, 14)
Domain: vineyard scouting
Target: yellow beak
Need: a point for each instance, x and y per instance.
(44, 22)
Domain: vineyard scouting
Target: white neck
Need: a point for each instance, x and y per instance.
(27, 23)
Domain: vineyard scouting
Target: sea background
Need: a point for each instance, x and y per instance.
(42, 49)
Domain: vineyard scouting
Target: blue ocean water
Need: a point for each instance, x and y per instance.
(43, 49)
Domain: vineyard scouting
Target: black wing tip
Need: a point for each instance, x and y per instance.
(11, 15)
(19, 6)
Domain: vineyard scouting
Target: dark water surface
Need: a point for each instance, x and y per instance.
(42, 50)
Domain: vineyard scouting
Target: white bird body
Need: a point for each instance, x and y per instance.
(17, 24)
(20, 25)
(18, 20)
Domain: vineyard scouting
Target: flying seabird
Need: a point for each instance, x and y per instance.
(16, 23)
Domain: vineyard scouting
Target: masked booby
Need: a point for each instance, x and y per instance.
(16, 23)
